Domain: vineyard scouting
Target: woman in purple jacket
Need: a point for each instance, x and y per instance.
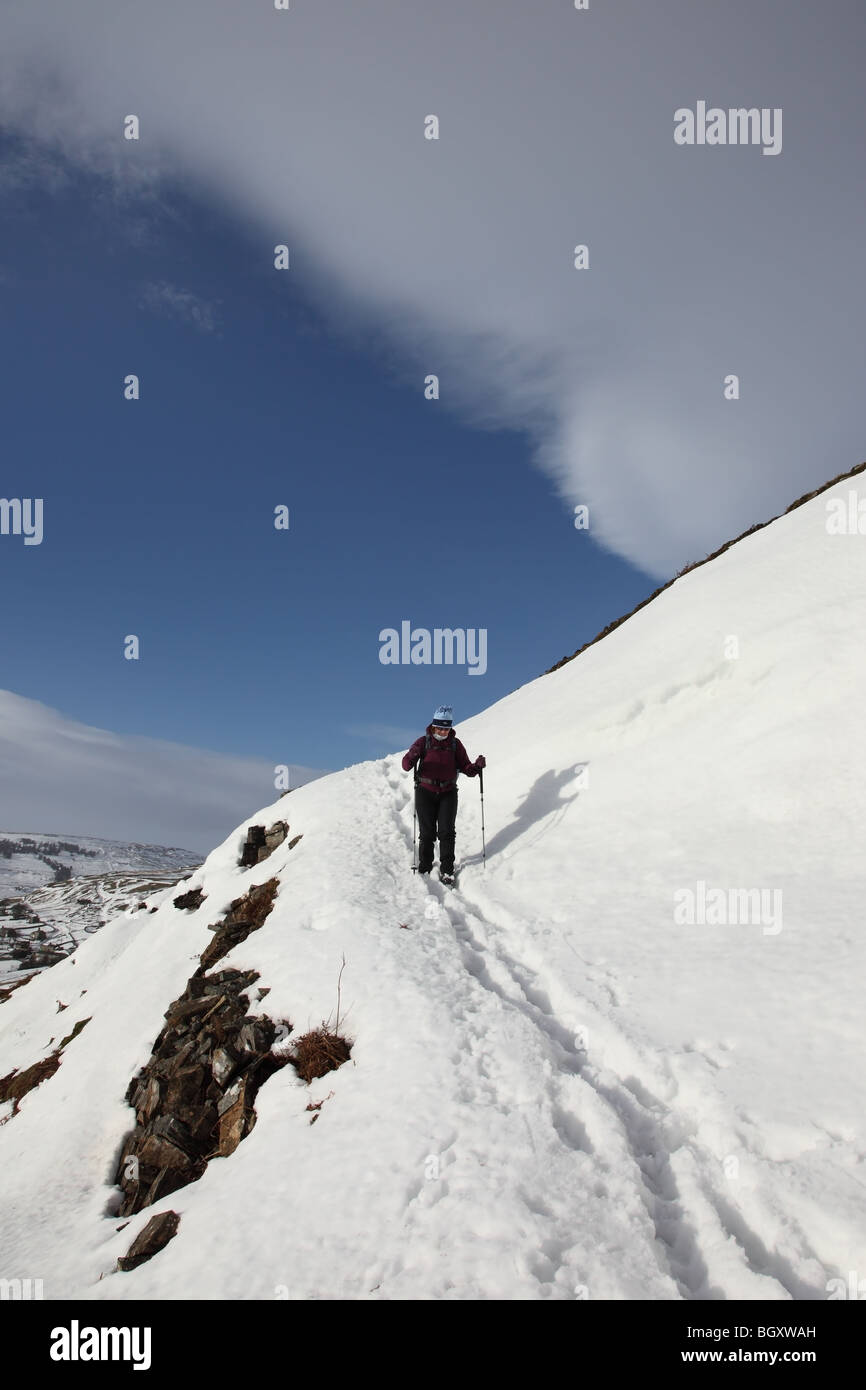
(438, 757)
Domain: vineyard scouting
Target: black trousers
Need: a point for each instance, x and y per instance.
(437, 814)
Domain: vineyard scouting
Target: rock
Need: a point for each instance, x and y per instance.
(245, 915)
(184, 1090)
(154, 1152)
(147, 1102)
(257, 1036)
(223, 1066)
(253, 843)
(155, 1236)
(260, 842)
(160, 1187)
(232, 1119)
(187, 1008)
(231, 1096)
(194, 1098)
(191, 900)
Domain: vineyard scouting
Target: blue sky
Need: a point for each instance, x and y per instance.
(603, 386)
(159, 512)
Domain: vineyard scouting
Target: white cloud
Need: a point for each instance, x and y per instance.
(556, 129)
(59, 775)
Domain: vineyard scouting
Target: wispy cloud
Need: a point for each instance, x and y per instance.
(173, 302)
(58, 774)
(27, 163)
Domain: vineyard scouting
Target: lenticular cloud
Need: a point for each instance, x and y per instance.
(556, 130)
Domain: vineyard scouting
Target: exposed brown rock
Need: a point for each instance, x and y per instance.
(245, 915)
(260, 843)
(233, 1113)
(157, 1233)
(191, 900)
(194, 1099)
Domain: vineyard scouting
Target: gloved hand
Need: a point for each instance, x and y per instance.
(480, 761)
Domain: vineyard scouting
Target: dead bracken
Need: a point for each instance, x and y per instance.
(18, 1084)
(318, 1052)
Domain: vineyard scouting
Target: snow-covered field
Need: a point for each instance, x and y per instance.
(60, 915)
(34, 864)
(580, 1075)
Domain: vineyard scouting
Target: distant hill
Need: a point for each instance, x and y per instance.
(57, 889)
(31, 859)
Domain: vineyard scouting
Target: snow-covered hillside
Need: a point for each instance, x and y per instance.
(42, 926)
(623, 1060)
(29, 861)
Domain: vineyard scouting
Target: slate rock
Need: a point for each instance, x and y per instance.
(157, 1233)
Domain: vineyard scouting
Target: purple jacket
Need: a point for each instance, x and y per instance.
(443, 761)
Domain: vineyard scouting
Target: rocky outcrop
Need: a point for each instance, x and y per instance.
(191, 900)
(194, 1098)
(260, 842)
(245, 915)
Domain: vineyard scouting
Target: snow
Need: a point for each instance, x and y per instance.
(26, 870)
(557, 1090)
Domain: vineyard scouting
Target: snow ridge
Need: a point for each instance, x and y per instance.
(560, 1087)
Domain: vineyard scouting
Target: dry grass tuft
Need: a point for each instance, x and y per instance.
(18, 1083)
(318, 1052)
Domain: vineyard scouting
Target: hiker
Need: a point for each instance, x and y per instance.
(438, 757)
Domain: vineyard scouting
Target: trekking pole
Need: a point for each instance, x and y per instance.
(414, 820)
(483, 841)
